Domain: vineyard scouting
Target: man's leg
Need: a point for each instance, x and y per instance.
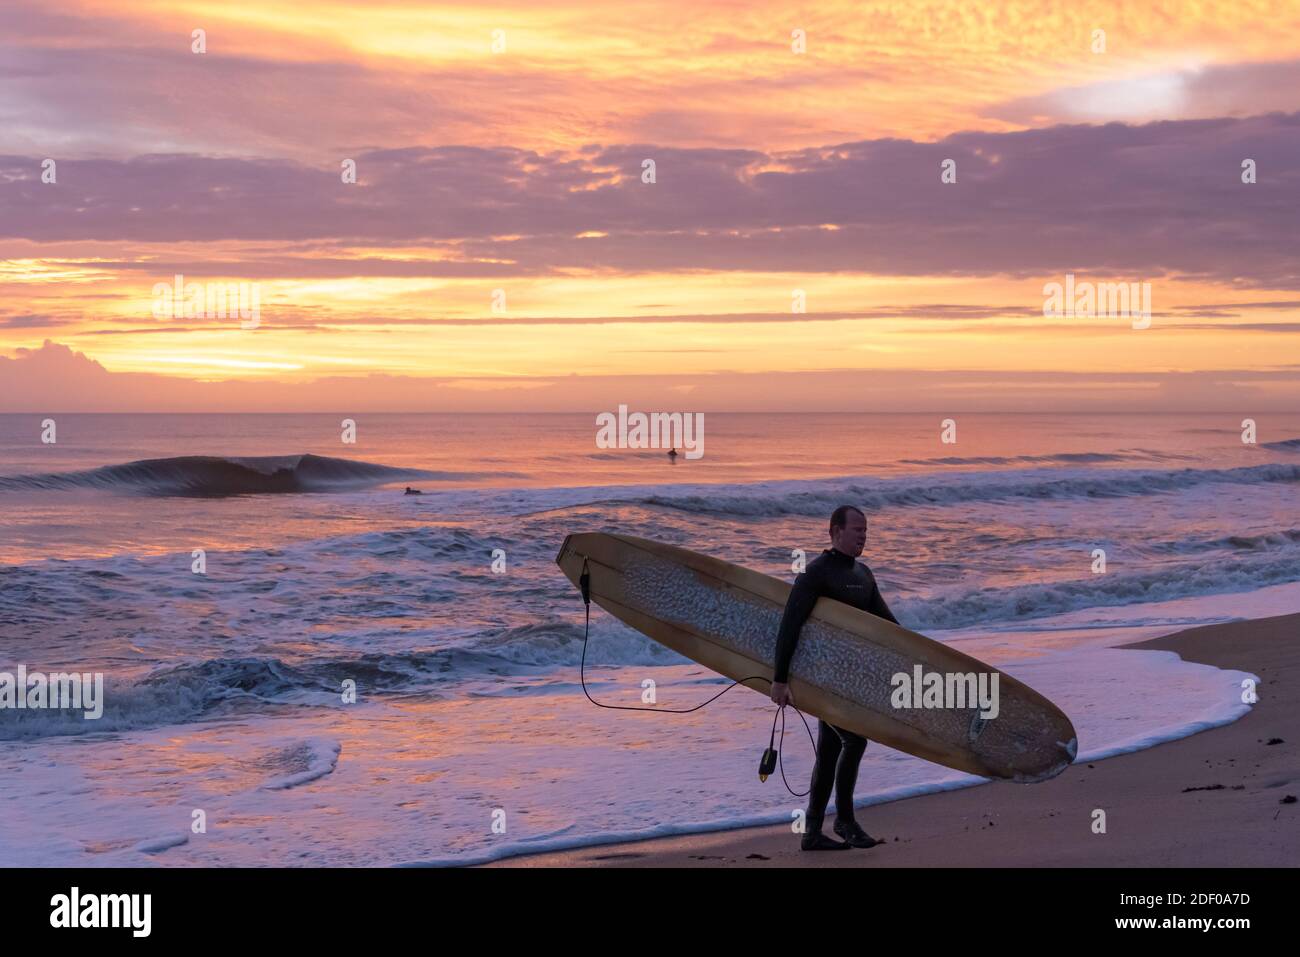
(823, 774)
(819, 791)
(846, 778)
(846, 773)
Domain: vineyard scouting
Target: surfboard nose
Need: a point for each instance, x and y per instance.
(559, 556)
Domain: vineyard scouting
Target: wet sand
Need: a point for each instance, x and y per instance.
(1214, 799)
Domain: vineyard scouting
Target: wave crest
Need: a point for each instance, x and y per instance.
(206, 475)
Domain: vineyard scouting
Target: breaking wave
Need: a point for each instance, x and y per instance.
(204, 475)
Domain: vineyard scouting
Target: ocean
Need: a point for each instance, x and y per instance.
(231, 575)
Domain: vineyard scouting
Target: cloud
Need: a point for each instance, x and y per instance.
(32, 321)
(1121, 202)
(1218, 90)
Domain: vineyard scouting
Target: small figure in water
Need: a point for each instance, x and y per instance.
(413, 491)
(672, 456)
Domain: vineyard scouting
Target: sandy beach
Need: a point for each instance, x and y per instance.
(1215, 799)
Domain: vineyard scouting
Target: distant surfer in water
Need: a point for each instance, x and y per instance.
(413, 491)
(835, 574)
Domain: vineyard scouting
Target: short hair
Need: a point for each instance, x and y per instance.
(839, 517)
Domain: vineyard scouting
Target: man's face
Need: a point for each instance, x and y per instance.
(852, 537)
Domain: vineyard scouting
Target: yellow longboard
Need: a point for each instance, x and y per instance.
(726, 617)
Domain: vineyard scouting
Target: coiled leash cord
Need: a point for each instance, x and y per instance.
(771, 757)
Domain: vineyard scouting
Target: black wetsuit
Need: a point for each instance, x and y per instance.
(835, 575)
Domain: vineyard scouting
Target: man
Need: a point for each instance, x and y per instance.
(834, 574)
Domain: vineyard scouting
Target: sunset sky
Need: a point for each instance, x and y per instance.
(519, 169)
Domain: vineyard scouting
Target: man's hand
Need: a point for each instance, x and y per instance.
(781, 694)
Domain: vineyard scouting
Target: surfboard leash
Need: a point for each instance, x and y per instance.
(772, 756)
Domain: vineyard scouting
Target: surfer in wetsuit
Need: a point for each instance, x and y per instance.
(835, 574)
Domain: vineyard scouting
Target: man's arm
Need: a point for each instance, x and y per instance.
(876, 605)
(803, 596)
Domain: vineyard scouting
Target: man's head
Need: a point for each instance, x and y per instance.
(848, 530)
